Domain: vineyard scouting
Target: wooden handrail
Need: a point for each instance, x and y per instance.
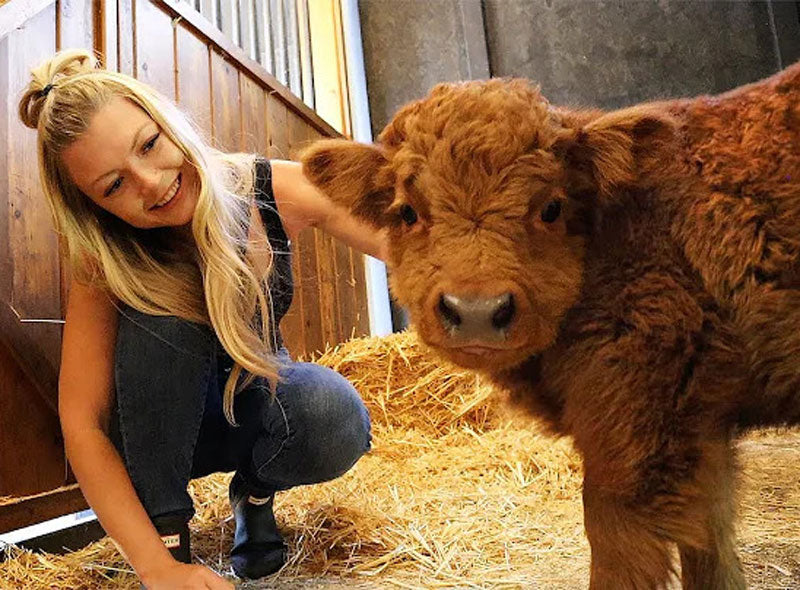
(14, 13)
(226, 46)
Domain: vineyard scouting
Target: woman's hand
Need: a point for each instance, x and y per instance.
(184, 576)
(301, 205)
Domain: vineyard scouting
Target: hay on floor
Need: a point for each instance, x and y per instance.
(456, 493)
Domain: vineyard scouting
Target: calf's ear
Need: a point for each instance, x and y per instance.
(618, 149)
(354, 175)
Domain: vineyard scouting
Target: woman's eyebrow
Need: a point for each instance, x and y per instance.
(133, 147)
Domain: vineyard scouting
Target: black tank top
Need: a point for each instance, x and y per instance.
(281, 283)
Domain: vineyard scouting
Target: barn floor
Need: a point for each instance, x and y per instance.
(456, 493)
(769, 532)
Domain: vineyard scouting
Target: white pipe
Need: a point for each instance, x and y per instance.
(380, 317)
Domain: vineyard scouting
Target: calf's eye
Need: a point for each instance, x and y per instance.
(551, 211)
(408, 215)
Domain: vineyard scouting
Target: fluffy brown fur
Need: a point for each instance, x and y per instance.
(653, 319)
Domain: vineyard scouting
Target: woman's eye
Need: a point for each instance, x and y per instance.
(551, 211)
(150, 143)
(408, 215)
(113, 187)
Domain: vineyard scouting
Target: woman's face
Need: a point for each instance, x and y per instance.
(129, 167)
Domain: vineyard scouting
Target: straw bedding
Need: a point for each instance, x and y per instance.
(458, 492)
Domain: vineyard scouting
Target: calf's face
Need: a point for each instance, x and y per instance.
(487, 194)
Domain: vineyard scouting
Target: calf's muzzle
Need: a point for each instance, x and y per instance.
(469, 319)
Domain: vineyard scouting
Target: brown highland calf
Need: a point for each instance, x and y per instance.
(632, 277)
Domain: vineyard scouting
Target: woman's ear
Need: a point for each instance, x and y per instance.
(613, 150)
(354, 175)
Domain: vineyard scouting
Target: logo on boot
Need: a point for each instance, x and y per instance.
(172, 541)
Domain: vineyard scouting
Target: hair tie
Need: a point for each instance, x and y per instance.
(44, 91)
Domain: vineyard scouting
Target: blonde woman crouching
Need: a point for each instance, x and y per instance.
(180, 267)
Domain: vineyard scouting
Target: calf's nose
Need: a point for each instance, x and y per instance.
(476, 318)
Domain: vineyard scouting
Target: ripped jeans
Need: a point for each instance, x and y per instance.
(169, 427)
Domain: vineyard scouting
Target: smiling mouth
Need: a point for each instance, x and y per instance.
(173, 191)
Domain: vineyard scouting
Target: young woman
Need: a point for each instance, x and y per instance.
(172, 363)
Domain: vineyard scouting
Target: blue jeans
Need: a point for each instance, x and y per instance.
(168, 424)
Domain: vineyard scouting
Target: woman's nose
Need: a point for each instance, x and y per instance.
(149, 180)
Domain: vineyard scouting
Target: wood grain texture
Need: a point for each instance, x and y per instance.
(155, 48)
(32, 459)
(194, 78)
(225, 108)
(74, 27)
(254, 136)
(126, 48)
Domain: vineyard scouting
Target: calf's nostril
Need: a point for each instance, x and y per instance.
(504, 313)
(447, 309)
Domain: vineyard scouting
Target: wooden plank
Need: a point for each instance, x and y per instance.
(298, 135)
(30, 434)
(292, 47)
(75, 24)
(208, 10)
(32, 243)
(278, 32)
(306, 70)
(6, 113)
(15, 14)
(360, 286)
(309, 285)
(293, 323)
(155, 48)
(263, 35)
(247, 39)
(22, 512)
(29, 429)
(126, 38)
(327, 55)
(341, 59)
(227, 20)
(194, 79)
(278, 116)
(225, 114)
(326, 281)
(30, 293)
(346, 311)
(107, 33)
(288, 132)
(254, 137)
(224, 46)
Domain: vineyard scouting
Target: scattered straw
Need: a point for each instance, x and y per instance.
(456, 493)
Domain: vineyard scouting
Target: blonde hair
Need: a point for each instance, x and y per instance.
(217, 285)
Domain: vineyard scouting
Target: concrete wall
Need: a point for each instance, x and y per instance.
(600, 52)
(411, 45)
(615, 53)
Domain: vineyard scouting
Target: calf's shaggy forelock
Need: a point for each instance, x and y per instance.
(632, 277)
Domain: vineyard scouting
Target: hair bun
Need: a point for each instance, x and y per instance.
(45, 78)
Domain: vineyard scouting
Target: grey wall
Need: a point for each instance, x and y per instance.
(583, 52)
(613, 53)
(411, 45)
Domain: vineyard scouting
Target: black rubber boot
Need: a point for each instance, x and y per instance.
(258, 547)
(174, 531)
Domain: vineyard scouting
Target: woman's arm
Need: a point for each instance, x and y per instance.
(301, 204)
(85, 402)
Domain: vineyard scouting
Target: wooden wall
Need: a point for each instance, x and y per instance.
(237, 104)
